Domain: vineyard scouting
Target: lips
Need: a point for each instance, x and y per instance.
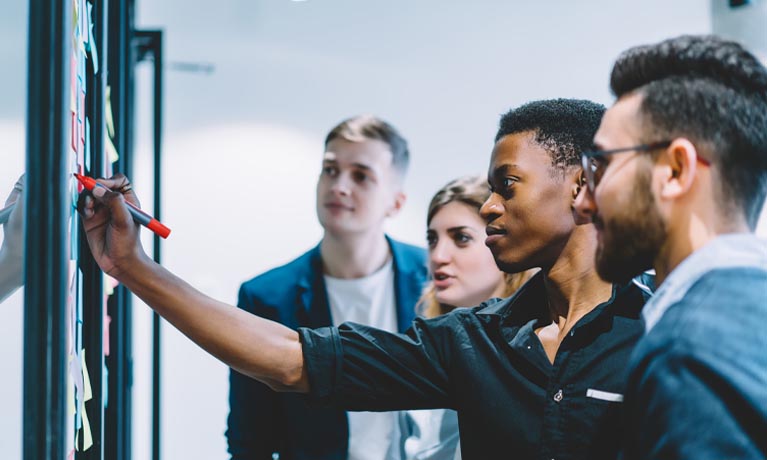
(442, 280)
(336, 206)
(494, 234)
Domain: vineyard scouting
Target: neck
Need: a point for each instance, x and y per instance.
(353, 256)
(687, 235)
(573, 287)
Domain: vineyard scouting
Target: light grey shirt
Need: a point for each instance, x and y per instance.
(725, 251)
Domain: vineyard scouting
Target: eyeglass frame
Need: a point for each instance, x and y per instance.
(589, 173)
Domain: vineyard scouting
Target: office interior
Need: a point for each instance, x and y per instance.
(217, 111)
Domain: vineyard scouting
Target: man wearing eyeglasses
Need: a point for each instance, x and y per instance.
(677, 183)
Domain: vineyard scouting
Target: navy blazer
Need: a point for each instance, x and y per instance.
(262, 421)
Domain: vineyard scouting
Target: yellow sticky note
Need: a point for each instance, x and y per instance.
(75, 16)
(88, 440)
(108, 113)
(87, 434)
(88, 393)
(111, 151)
(108, 286)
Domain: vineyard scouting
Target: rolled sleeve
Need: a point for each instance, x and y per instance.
(357, 367)
(322, 358)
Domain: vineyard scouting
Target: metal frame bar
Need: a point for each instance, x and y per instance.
(93, 286)
(47, 216)
(119, 411)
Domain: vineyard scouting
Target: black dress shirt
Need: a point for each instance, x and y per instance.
(488, 364)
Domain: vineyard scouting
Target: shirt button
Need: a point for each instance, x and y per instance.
(558, 396)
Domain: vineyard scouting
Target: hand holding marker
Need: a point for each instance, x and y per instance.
(138, 215)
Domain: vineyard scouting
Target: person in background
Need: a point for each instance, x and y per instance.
(12, 248)
(356, 273)
(677, 182)
(463, 274)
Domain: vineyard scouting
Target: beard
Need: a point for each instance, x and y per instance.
(631, 240)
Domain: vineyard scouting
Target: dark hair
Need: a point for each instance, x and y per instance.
(368, 127)
(712, 92)
(563, 127)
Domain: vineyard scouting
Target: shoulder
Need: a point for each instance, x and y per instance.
(462, 318)
(719, 299)
(408, 253)
(718, 323)
(281, 280)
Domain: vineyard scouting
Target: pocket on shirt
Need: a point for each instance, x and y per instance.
(604, 395)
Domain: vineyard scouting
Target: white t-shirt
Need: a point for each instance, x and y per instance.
(370, 301)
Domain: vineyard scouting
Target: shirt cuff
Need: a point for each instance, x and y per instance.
(322, 359)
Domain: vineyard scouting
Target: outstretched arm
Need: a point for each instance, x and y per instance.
(262, 349)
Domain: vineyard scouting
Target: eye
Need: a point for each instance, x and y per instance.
(508, 182)
(431, 240)
(359, 176)
(462, 239)
(598, 164)
(329, 170)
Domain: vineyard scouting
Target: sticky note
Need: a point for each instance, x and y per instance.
(88, 393)
(108, 113)
(111, 151)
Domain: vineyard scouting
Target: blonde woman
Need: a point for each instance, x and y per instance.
(463, 274)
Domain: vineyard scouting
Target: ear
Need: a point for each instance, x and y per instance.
(576, 180)
(578, 186)
(681, 166)
(399, 201)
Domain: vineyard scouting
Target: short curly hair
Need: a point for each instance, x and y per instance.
(714, 93)
(563, 127)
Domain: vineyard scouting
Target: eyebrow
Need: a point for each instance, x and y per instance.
(504, 168)
(460, 228)
(501, 171)
(453, 229)
(356, 165)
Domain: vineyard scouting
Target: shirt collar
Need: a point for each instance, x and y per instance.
(530, 302)
(725, 251)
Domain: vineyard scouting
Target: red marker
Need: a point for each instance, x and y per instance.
(138, 215)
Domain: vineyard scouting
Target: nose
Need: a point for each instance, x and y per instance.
(585, 206)
(440, 253)
(340, 185)
(491, 209)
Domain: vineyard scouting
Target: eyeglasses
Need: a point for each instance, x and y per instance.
(595, 163)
